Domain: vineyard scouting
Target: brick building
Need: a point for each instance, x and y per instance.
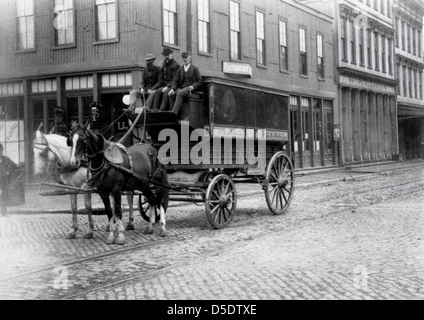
(70, 53)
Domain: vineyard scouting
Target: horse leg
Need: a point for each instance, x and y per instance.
(130, 225)
(152, 220)
(106, 201)
(119, 229)
(89, 210)
(163, 232)
(73, 232)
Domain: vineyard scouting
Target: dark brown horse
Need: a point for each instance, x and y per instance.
(115, 169)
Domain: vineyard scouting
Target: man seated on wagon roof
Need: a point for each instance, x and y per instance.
(186, 80)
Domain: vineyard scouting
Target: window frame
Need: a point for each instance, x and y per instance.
(263, 61)
(282, 36)
(56, 45)
(208, 32)
(237, 32)
(176, 38)
(97, 29)
(321, 74)
(18, 47)
(305, 52)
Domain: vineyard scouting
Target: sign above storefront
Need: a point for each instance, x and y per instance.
(367, 85)
(243, 69)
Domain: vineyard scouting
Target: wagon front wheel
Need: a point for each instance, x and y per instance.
(279, 183)
(144, 206)
(220, 201)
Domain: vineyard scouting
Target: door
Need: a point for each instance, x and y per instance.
(328, 143)
(43, 113)
(316, 130)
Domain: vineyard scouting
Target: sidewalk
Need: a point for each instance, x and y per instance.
(35, 203)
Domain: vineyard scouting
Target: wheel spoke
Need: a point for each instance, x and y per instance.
(215, 194)
(214, 209)
(274, 176)
(229, 212)
(285, 199)
(223, 215)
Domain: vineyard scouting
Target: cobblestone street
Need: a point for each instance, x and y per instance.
(361, 238)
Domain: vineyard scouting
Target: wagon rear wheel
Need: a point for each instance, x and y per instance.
(220, 201)
(279, 185)
(144, 206)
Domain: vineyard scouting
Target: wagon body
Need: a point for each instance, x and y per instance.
(230, 133)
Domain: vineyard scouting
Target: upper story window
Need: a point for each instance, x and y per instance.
(402, 31)
(343, 39)
(397, 32)
(369, 53)
(64, 30)
(352, 42)
(260, 37)
(170, 30)
(106, 20)
(408, 37)
(361, 47)
(414, 41)
(419, 43)
(320, 56)
(25, 24)
(302, 51)
(283, 45)
(389, 54)
(383, 53)
(382, 4)
(389, 9)
(376, 50)
(375, 4)
(235, 43)
(204, 25)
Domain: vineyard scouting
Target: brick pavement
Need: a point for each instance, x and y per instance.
(313, 252)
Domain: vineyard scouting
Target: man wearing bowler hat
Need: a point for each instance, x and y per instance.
(162, 87)
(186, 80)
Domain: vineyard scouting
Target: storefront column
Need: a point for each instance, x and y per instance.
(387, 129)
(356, 126)
(346, 125)
(394, 126)
(373, 126)
(364, 125)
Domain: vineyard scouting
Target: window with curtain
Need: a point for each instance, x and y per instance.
(25, 24)
(64, 29)
(343, 39)
(383, 53)
(106, 20)
(170, 30)
(260, 38)
(376, 50)
(204, 25)
(235, 46)
(283, 45)
(352, 42)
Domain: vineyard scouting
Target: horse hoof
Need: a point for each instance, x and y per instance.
(88, 235)
(163, 233)
(120, 239)
(71, 235)
(110, 239)
(130, 226)
(148, 231)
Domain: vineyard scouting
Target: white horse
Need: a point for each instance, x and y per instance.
(47, 148)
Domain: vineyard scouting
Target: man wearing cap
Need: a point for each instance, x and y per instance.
(149, 78)
(58, 126)
(162, 87)
(186, 80)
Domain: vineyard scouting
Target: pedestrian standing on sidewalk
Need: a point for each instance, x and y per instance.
(7, 168)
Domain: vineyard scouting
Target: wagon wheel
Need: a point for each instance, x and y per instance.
(220, 201)
(279, 185)
(144, 206)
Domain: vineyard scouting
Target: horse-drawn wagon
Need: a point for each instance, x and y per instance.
(226, 134)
